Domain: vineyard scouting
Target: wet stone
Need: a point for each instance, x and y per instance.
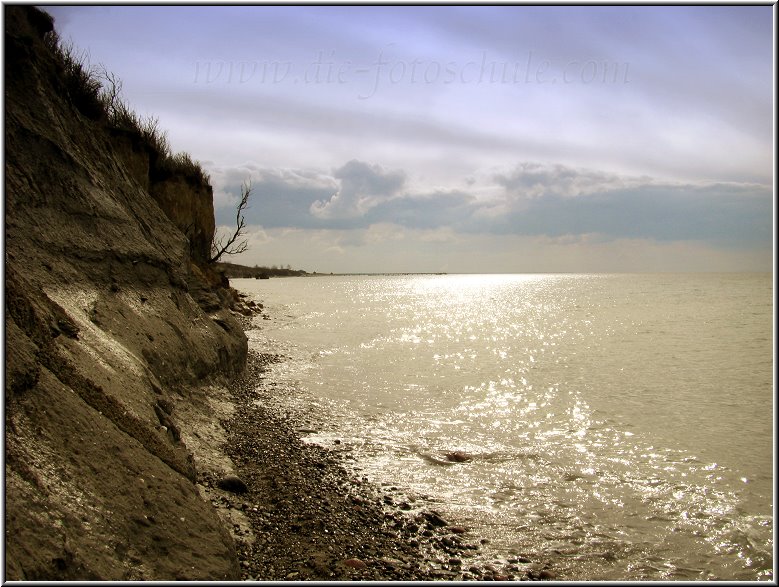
(435, 520)
(458, 456)
(443, 574)
(232, 484)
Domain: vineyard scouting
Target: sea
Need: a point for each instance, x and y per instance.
(619, 426)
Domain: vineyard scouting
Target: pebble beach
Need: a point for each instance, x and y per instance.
(297, 512)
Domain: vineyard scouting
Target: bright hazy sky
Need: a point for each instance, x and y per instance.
(465, 139)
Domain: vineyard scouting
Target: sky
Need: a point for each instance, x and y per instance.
(464, 139)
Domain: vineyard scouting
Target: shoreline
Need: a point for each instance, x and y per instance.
(297, 513)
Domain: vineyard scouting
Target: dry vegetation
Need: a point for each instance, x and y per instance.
(97, 94)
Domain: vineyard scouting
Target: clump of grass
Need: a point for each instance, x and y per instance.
(82, 84)
(182, 164)
(97, 94)
(121, 117)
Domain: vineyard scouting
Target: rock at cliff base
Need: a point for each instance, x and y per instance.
(232, 484)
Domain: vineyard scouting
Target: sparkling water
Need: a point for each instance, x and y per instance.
(619, 426)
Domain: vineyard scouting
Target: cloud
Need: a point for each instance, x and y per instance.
(531, 199)
(566, 202)
(532, 180)
(254, 115)
(280, 197)
(362, 187)
(442, 208)
(356, 195)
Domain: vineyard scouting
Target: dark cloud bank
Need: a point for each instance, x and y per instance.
(531, 199)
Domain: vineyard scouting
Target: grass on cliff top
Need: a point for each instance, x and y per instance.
(97, 94)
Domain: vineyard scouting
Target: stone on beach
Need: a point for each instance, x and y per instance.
(232, 484)
(458, 456)
(458, 530)
(435, 520)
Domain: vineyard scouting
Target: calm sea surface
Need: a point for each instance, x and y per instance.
(620, 426)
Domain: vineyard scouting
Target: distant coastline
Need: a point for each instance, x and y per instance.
(234, 270)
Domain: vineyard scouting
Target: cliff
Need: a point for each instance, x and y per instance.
(111, 326)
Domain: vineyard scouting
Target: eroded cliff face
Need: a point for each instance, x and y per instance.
(189, 204)
(109, 327)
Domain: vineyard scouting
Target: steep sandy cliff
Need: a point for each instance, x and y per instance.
(109, 327)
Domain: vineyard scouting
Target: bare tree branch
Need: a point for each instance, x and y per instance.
(231, 247)
(111, 91)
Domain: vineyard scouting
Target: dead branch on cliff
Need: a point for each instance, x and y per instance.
(233, 246)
